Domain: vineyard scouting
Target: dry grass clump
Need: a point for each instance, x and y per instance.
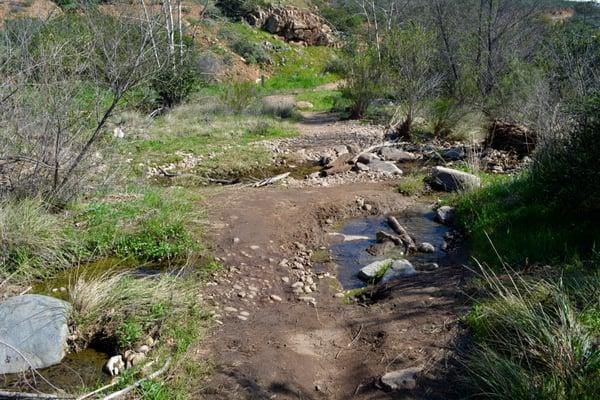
(32, 240)
(125, 306)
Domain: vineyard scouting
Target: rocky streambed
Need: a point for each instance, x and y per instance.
(354, 242)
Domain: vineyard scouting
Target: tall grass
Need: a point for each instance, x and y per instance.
(32, 240)
(531, 342)
(127, 307)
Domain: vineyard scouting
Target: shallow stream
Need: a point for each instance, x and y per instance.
(351, 255)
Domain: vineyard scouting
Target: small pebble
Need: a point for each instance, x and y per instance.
(275, 297)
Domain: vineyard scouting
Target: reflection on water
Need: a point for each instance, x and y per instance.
(351, 256)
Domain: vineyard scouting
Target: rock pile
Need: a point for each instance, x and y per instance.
(293, 24)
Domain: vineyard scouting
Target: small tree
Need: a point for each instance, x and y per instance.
(363, 79)
(409, 54)
(63, 79)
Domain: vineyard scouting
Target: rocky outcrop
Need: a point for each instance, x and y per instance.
(33, 332)
(293, 24)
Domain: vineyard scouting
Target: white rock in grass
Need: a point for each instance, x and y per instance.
(401, 379)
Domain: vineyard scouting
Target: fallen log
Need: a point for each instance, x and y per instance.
(272, 180)
(407, 240)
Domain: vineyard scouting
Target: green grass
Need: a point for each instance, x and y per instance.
(33, 241)
(147, 225)
(222, 143)
(303, 69)
(507, 222)
(535, 339)
(322, 100)
(411, 185)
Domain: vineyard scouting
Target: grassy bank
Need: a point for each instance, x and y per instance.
(536, 317)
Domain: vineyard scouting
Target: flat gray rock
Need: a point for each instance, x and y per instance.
(393, 154)
(371, 271)
(452, 180)
(384, 167)
(33, 332)
(366, 158)
(444, 215)
(398, 269)
(403, 379)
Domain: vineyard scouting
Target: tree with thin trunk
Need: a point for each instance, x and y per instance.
(409, 56)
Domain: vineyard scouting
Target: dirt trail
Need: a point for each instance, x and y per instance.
(270, 345)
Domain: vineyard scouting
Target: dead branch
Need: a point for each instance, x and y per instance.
(272, 180)
(137, 384)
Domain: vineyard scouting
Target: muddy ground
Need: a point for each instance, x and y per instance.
(270, 343)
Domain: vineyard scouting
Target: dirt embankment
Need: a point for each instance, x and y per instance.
(271, 344)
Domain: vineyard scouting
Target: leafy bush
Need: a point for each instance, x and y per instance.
(565, 171)
(363, 81)
(446, 115)
(237, 9)
(173, 85)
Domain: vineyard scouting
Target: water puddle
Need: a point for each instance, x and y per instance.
(351, 254)
(77, 371)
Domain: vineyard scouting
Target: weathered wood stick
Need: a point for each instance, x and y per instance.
(136, 384)
(271, 180)
(407, 240)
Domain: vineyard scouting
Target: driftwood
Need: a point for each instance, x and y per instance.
(24, 395)
(270, 181)
(407, 240)
(387, 237)
(137, 383)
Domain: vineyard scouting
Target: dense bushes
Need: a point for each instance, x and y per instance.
(565, 171)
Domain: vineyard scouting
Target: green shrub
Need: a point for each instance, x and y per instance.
(238, 96)
(173, 85)
(446, 114)
(253, 53)
(363, 81)
(565, 171)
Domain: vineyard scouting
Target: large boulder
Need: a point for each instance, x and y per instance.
(293, 24)
(33, 332)
(452, 180)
